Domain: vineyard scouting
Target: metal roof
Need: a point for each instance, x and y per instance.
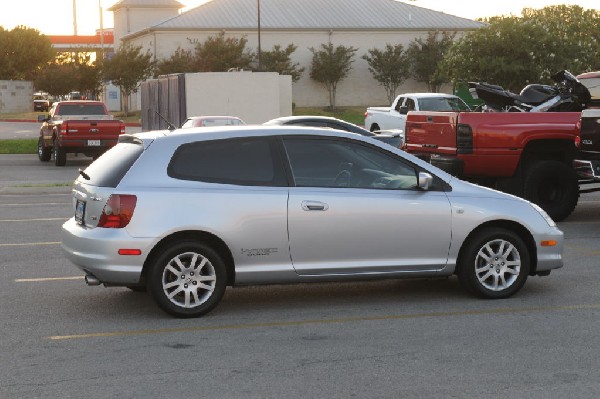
(145, 4)
(315, 14)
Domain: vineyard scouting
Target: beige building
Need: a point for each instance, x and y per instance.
(158, 26)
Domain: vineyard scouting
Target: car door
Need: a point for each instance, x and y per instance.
(355, 208)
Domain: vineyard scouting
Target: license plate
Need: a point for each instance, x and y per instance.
(93, 143)
(79, 211)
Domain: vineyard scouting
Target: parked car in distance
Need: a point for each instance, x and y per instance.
(186, 214)
(203, 121)
(395, 139)
(394, 116)
(41, 101)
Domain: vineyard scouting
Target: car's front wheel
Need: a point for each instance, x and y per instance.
(494, 263)
(188, 279)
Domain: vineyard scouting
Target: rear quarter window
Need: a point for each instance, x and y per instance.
(247, 161)
(111, 167)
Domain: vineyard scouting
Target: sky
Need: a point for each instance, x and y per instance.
(55, 17)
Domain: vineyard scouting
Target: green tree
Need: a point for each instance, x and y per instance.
(23, 52)
(182, 61)
(331, 65)
(515, 51)
(571, 41)
(278, 60)
(56, 79)
(390, 67)
(426, 57)
(220, 53)
(126, 69)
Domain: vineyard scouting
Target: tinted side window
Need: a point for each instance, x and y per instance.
(247, 162)
(341, 163)
(109, 169)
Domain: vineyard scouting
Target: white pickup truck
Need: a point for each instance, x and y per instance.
(394, 117)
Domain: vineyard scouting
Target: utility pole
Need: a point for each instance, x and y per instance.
(259, 55)
(75, 17)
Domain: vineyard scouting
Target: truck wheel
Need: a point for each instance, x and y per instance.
(44, 153)
(553, 186)
(60, 155)
(494, 263)
(374, 127)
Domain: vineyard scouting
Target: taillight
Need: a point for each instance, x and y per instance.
(117, 211)
(366, 114)
(122, 128)
(464, 139)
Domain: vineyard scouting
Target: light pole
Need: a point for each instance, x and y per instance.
(259, 55)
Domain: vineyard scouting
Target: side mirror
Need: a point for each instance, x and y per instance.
(403, 110)
(425, 181)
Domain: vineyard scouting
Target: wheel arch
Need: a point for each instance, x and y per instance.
(195, 235)
(512, 226)
(562, 150)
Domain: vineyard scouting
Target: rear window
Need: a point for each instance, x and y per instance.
(246, 161)
(442, 104)
(81, 109)
(109, 169)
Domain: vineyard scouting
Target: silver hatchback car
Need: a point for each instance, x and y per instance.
(187, 213)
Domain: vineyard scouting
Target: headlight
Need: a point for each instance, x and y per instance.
(542, 212)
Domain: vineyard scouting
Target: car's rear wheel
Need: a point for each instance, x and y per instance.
(188, 279)
(44, 153)
(494, 263)
(60, 155)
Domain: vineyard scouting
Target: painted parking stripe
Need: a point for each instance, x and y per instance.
(35, 280)
(32, 220)
(325, 321)
(30, 244)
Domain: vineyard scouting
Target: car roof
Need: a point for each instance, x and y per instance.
(427, 95)
(305, 117)
(213, 117)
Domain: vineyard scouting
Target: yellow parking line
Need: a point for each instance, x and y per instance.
(35, 280)
(29, 244)
(324, 321)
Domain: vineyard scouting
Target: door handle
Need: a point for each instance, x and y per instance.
(314, 206)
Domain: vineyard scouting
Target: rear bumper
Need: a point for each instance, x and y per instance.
(587, 169)
(95, 251)
(454, 166)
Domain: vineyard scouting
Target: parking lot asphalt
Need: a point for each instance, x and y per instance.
(387, 339)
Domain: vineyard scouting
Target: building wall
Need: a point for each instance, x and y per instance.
(129, 20)
(16, 96)
(358, 89)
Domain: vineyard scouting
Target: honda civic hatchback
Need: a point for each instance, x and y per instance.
(186, 214)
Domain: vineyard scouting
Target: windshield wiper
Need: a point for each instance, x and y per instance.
(84, 175)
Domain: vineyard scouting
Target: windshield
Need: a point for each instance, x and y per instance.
(442, 104)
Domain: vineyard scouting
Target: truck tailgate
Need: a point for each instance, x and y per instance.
(93, 129)
(431, 132)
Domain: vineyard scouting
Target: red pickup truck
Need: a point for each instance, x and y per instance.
(84, 127)
(529, 154)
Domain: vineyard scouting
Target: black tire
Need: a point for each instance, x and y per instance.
(60, 155)
(44, 153)
(374, 127)
(506, 270)
(553, 186)
(206, 277)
